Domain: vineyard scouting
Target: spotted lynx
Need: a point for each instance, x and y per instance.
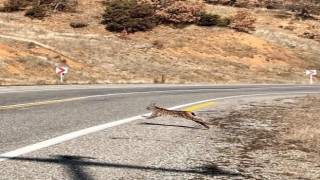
(158, 111)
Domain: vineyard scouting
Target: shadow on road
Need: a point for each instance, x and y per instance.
(75, 165)
(171, 125)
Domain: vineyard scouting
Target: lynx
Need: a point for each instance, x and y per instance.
(158, 111)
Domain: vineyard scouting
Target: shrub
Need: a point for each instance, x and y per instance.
(206, 19)
(129, 16)
(214, 2)
(312, 32)
(304, 14)
(243, 21)
(41, 8)
(222, 2)
(37, 11)
(180, 12)
(242, 3)
(78, 24)
(236, 3)
(15, 5)
(64, 5)
(273, 4)
(57, 5)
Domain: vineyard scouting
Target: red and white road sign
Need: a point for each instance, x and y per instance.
(311, 72)
(60, 70)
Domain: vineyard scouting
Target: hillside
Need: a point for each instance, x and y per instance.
(275, 52)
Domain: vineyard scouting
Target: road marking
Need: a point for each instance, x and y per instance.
(274, 86)
(114, 94)
(96, 96)
(83, 132)
(63, 138)
(39, 103)
(93, 96)
(104, 95)
(192, 108)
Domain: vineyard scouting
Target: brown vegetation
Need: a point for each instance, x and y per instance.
(243, 21)
(39, 8)
(15, 5)
(181, 12)
(304, 122)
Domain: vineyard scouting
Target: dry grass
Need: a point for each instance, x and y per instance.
(189, 55)
(304, 121)
(270, 139)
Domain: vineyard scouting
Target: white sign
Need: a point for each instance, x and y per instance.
(60, 70)
(311, 72)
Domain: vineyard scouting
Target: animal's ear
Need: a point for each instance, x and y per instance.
(150, 106)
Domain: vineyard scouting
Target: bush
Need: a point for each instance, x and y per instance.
(243, 21)
(41, 8)
(37, 12)
(129, 16)
(78, 24)
(15, 5)
(65, 5)
(273, 4)
(224, 22)
(180, 12)
(206, 19)
(222, 2)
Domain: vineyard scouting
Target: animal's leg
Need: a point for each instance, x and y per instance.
(153, 115)
(200, 121)
(203, 124)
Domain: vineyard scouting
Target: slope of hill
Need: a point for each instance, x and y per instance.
(274, 53)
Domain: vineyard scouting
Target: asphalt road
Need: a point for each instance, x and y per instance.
(29, 115)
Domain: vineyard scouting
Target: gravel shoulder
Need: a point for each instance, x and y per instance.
(252, 138)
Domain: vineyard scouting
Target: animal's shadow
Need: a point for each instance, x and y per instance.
(169, 125)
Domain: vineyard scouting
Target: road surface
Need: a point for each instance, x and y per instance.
(36, 121)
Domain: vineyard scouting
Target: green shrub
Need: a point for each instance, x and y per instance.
(206, 19)
(129, 15)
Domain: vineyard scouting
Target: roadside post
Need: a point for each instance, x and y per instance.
(311, 73)
(62, 71)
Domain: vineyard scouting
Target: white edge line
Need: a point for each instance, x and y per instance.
(63, 138)
(76, 134)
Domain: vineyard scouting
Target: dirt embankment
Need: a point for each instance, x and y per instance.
(274, 53)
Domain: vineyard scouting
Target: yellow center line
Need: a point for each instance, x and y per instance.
(192, 108)
(38, 103)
